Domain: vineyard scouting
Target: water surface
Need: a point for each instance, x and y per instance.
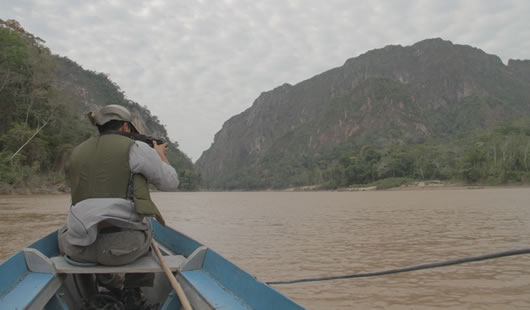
(283, 236)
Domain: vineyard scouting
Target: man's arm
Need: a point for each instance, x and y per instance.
(153, 164)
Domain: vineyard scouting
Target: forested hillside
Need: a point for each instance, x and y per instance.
(43, 102)
(433, 110)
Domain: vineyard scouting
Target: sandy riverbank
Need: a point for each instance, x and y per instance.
(52, 189)
(7, 189)
(427, 185)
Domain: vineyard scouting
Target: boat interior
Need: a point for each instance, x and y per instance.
(64, 285)
(39, 277)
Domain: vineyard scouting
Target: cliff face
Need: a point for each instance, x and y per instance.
(392, 95)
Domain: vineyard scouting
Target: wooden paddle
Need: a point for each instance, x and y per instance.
(176, 286)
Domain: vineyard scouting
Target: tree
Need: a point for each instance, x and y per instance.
(371, 158)
(473, 164)
(399, 163)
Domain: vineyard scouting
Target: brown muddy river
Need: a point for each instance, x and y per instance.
(283, 236)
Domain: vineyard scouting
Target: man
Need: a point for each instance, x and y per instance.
(109, 175)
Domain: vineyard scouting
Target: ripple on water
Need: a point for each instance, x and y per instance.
(286, 236)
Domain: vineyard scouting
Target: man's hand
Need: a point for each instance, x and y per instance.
(161, 149)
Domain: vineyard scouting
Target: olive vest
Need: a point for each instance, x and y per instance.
(99, 168)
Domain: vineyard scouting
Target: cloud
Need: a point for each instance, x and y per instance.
(197, 63)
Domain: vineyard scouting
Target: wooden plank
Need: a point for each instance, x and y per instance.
(37, 262)
(217, 296)
(239, 283)
(144, 264)
(196, 298)
(46, 294)
(195, 260)
(12, 270)
(32, 292)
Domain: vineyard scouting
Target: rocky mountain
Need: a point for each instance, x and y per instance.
(394, 95)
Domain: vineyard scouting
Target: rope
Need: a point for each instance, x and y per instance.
(463, 260)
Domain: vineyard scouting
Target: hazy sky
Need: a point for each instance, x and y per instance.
(196, 63)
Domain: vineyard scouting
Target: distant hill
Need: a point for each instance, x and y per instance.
(44, 99)
(386, 98)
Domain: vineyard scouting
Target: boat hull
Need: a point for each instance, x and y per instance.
(38, 278)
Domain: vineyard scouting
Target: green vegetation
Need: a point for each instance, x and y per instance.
(497, 156)
(500, 155)
(43, 98)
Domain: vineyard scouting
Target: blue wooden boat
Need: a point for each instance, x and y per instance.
(37, 277)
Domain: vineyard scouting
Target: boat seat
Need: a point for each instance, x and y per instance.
(38, 262)
(145, 264)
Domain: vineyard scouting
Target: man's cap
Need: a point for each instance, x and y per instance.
(109, 113)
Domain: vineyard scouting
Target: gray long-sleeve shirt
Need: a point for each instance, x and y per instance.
(84, 217)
